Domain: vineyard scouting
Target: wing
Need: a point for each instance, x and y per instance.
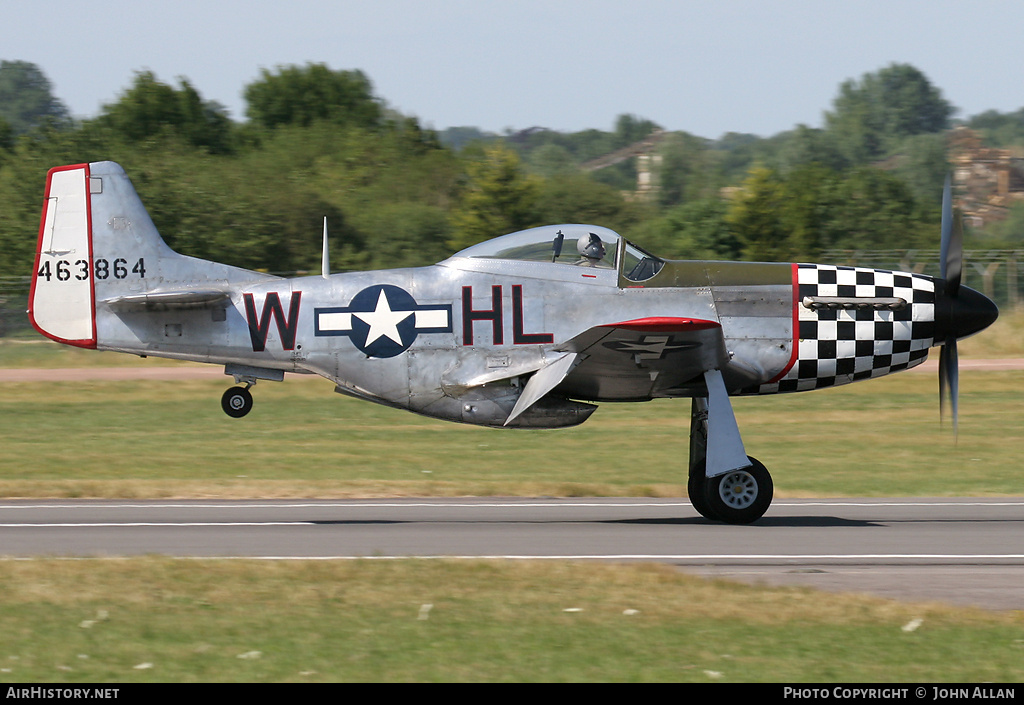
(632, 360)
(643, 358)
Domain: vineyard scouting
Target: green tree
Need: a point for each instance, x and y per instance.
(872, 209)
(812, 195)
(394, 186)
(686, 169)
(870, 116)
(239, 211)
(151, 109)
(1000, 129)
(922, 162)
(754, 216)
(576, 198)
(1008, 233)
(459, 137)
(910, 104)
(807, 145)
(26, 97)
(630, 129)
(697, 229)
(404, 234)
(499, 199)
(778, 218)
(6, 139)
(552, 159)
(302, 95)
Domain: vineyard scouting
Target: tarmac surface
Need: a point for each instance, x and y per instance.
(960, 551)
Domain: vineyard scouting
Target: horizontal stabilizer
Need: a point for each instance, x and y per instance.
(167, 300)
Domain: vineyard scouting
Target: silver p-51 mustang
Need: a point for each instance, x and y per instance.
(525, 330)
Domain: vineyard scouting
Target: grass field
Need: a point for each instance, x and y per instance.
(165, 620)
(168, 620)
(164, 439)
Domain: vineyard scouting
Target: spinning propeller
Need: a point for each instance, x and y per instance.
(959, 311)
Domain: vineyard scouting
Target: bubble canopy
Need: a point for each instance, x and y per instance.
(559, 245)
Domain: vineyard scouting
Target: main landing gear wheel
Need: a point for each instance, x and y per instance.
(696, 489)
(236, 402)
(740, 496)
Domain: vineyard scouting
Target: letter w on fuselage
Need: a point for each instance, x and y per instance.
(259, 325)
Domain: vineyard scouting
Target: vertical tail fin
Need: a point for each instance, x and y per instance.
(97, 245)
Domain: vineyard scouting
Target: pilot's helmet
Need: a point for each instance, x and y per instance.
(590, 246)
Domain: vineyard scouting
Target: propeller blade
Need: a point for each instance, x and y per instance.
(951, 266)
(943, 383)
(951, 253)
(954, 259)
(947, 222)
(949, 380)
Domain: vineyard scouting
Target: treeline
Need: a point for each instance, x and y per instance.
(318, 142)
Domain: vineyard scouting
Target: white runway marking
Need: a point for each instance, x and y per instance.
(137, 524)
(356, 504)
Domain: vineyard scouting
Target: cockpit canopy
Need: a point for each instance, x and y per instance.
(571, 245)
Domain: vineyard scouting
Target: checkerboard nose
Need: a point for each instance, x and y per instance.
(965, 314)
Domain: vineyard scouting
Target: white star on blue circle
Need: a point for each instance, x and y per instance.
(383, 320)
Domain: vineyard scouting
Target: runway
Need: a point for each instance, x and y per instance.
(961, 551)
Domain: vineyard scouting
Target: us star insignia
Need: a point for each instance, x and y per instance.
(383, 320)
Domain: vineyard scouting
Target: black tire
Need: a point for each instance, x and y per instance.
(740, 496)
(696, 489)
(236, 402)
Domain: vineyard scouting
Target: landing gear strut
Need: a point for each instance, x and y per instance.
(237, 401)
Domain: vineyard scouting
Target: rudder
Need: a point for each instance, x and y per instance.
(62, 301)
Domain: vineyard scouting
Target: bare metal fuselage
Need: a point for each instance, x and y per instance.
(487, 328)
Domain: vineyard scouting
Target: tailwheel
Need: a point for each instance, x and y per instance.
(236, 402)
(740, 496)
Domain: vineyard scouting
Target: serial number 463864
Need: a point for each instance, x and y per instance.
(65, 270)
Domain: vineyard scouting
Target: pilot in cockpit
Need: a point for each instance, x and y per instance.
(591, 250)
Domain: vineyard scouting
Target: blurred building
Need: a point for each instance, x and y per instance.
(988, 181)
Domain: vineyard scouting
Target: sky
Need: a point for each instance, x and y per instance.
(708, 68)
